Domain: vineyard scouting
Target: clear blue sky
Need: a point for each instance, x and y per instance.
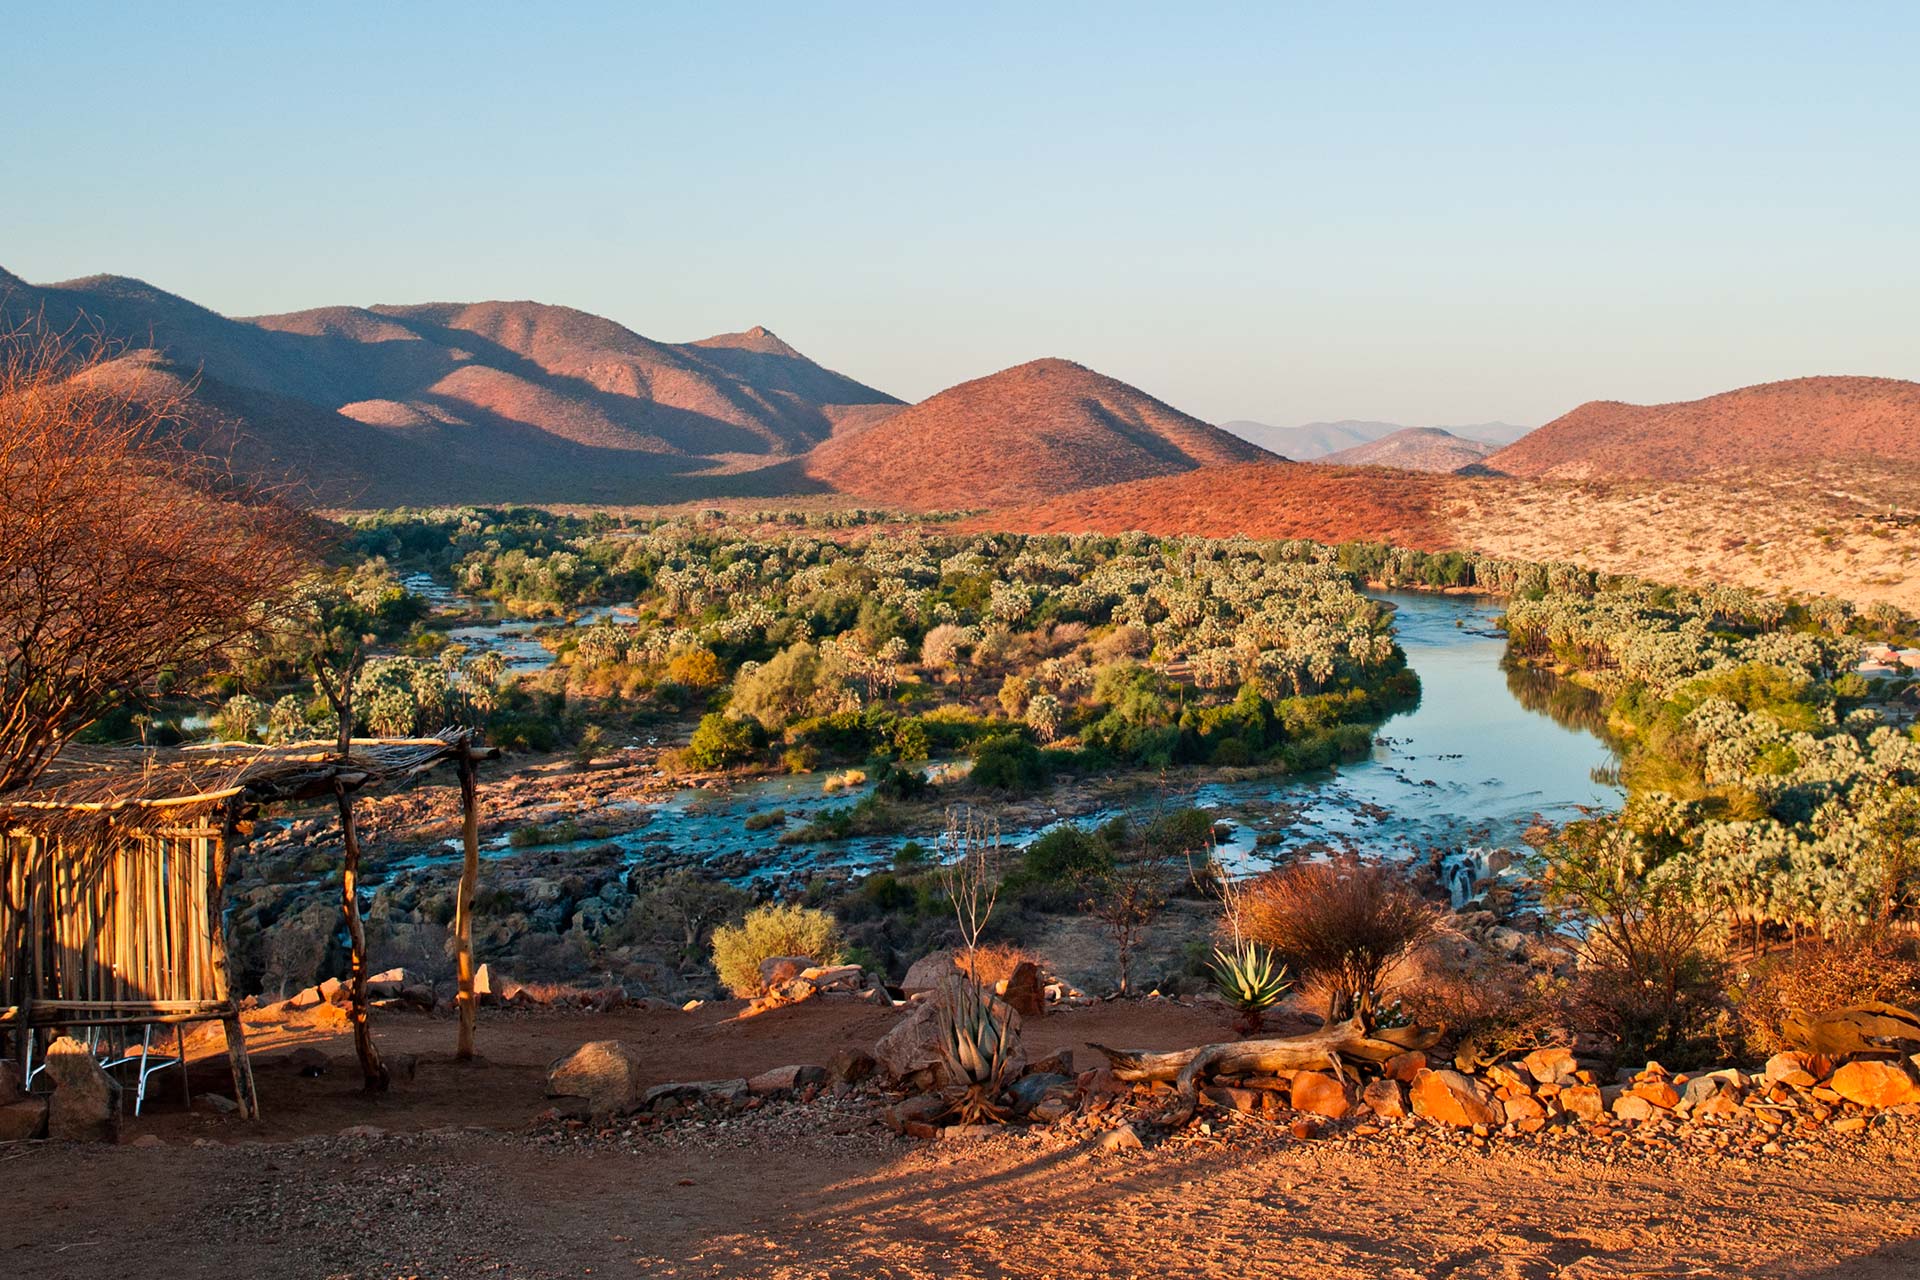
(1422, 213)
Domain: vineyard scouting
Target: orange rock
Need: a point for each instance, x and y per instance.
(1631, 1106)
(1720, 1104)
(1658, 1092)
(1875, 1084)
(1582, 1100)
(1550, 1066)
(1320, 1094)
(1524, 1108)
(1508, 1080)
(1450, 1098)
(1405, 1066)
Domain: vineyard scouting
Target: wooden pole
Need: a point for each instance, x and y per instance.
(463, 905)
(245, 1096)
(371, 1067)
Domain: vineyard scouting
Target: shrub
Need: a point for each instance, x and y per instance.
(1009, 764)
(1815, 977)
(696, 669)
(1343, 924)
(994, 962)
(775, 929)
(720, 742)
(765, 821)
(1067, 854)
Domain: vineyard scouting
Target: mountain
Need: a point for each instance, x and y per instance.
(1021, 435)
(1314, 441)
(1806, 420)
(473, 401)
(1413, 449)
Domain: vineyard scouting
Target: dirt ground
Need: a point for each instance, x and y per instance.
(462, 1183)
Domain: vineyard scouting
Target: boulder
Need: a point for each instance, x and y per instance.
(308, 1061)
(1405, 1066)
(712, 1092)
(387, 984)
(22, 1120)
(1509, 1078)
(1229, 1098)
(1124, 1138)
(1060, 1062)
(1553, 1065)
(1631, 1106)
(485, 990)
(1030, 1090)
(1875, 1084)
(1582, 1100)
(85, 1106)
(1320, 1094)
(928, 972)
(850, 1066)
(1522, 1108)
(1447, 1097)
(1023, 990)
(605, 1073)
(913, 1045)
(1658, 1092)
(786, 1079)
(1790, 1069)
(924, 1110)
(1386, 1099)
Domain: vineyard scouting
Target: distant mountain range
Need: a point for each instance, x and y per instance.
(1316, 440)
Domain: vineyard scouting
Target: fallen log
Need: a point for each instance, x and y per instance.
(1329, 1047)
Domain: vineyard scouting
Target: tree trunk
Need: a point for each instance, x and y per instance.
(463, 905)
(1325, 1048)
(371, 1067)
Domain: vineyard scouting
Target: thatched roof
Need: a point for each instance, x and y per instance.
(147, 787)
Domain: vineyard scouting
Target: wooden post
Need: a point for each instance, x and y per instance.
(245, 1096)
(371, 1067)
(463, 904)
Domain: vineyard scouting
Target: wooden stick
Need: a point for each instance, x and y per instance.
(371, 1067)
(463, 904)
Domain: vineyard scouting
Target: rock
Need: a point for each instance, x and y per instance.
(850, 1066)
(1631, 1106)
(363, 1131)
(484, 989)
(1320, 1094)
(23, 1120)
(1552, 1065)
(1386, 1099)
(309, 1062)
(965, 1132)
(606, 1073)
(390, 982)
(1523, 1108)
(928, 972)
(333, 991)
(1513, 1079)
(1030, 1090)
(776, 971)
(1875, 1084)
(1024, 991)
(85, 1106)
(1789, 1069)
(1405, 1066)
(786, 1079)
(1658, 1092)
(1861, 1028)
(306, 998)
(1850, 1124)
(723, 1092)
(1125, 1138)
(11, 1090)
(147, 1141)
(838, 977)
(1447, 1097)
(218, 1103)
(924, 1109)
(1584, 1101)
(913, 1045)
(1059, 1062)
(1229, 1098)
(1304, 1130)
(1723, 1105)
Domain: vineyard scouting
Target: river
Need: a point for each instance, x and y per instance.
(1485, 753)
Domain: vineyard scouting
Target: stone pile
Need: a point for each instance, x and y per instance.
(792, 979)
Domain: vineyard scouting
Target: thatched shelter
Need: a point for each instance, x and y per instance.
(113, 869)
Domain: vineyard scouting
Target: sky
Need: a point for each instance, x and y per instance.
(1416, 213)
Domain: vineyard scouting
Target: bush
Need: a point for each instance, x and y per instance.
(720, 742)
(1341, 924)
(1009, 764)
(995, 962)
(765, 932)
(1066, 855)
(1815, 977)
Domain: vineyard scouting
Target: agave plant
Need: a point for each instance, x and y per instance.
(1249, 979)
(979, 1040)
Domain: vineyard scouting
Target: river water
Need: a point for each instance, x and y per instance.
(1486, 753)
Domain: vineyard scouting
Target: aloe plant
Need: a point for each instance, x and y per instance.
(1249, 979)
(979, 1039)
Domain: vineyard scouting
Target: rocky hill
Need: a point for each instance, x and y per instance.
(1024, 434)
(1806, 420)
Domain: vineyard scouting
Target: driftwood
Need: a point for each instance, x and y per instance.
(1330, 1048)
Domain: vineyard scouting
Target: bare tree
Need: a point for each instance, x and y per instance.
(124, 550)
